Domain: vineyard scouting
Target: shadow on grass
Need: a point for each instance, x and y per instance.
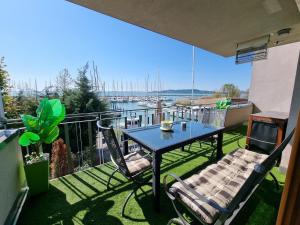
(82, 198)
(53, 207)
(262, 207)
(69, 199)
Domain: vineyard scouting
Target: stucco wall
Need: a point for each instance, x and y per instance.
(275, 86)
(273, 79)
(12, 176)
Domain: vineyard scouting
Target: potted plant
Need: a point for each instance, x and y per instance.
(38, 130)
(223, 103)
(221, 106)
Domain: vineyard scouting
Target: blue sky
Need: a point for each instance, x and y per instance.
(40, 38)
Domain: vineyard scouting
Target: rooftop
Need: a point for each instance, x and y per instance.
(82, 198)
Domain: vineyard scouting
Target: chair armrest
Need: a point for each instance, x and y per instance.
(192, 191)
(259, 168)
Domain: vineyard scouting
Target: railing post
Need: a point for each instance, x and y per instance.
(125, 122)
(67, 140)
(146, 118)
(140, 120)
(90, 135)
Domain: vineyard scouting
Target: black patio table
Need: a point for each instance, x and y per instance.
(160, 142)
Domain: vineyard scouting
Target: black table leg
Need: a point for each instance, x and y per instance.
(125, 144)
(220, 145)
(156, 180)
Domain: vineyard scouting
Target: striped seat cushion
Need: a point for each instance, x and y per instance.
(219, 182)
(137, 162)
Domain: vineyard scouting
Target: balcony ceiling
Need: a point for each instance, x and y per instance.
(214, 25)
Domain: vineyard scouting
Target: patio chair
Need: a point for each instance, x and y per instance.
(262, 139)
(216, 194)
(131, 166)
(210, 116)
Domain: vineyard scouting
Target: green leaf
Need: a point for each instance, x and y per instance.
(28, 138)
(44, 111)
(59, 111)
(49, 114)
(52, 135)
(223, 104)
(30, 122)
(56, 106)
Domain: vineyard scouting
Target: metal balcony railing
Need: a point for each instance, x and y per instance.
(85, 145)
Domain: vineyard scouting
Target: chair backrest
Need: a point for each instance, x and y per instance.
(213, 116)
(114, 148)
(205, 115)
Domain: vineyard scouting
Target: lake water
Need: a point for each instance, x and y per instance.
(145, 115)
(171, 97)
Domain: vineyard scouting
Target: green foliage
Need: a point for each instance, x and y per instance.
(223, 104)
(228, 90)
(14, 105)
(63, 83)
(4, 78)
(11, 107)
(28, 138)
(9, 103)
(44, 127)
(82, 99)
(25, 104)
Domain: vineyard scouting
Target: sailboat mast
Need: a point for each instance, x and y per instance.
(193, 73)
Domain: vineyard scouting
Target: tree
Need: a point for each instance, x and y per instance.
(229, 91)
(9, 103)
(85, 100)
(63, 83)
(4, 78)
(82, 99)
(26, 104)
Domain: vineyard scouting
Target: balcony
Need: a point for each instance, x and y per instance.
(82, 198)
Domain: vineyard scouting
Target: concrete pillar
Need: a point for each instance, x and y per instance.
(295, 107)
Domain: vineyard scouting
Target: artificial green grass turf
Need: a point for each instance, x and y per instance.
(82, 198)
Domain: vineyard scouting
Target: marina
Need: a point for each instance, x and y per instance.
(124, 101)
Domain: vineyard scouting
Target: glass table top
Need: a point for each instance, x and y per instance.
(156, 139)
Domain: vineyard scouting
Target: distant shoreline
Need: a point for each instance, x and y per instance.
(179, 92)
(185, 91)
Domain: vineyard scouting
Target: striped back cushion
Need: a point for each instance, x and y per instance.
(219, 182)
